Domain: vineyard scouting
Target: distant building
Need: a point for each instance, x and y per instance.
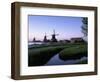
(76, 40)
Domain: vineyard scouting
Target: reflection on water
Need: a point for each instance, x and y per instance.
(31, 43)
(57, 61)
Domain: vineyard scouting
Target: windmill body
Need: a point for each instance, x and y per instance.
(45, 38)
(53, 39)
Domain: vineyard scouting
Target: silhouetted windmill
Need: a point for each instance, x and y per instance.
(45, 38)
(34, 39)
(53, 39)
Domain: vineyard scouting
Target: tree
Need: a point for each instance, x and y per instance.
(85, 27)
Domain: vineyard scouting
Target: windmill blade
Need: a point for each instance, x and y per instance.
(56, 34)
(46, 34)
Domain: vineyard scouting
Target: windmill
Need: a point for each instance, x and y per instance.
(53, 39)
(34, 39)
(45, 38)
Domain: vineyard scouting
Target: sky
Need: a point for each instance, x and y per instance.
(67, 27)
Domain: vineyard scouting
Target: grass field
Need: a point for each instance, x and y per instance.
(75, 52)
(41, 54)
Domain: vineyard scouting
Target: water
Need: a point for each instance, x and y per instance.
(32, 43)
(57, 61)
